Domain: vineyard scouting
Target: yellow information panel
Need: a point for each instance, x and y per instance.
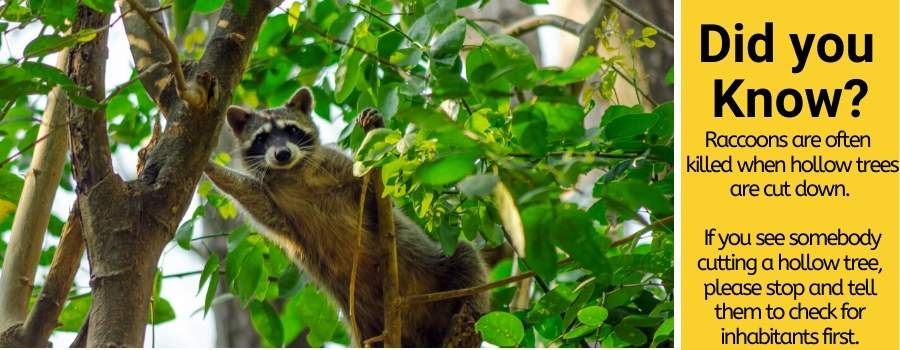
(790, 198)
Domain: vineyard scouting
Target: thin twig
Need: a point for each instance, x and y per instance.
(635, 16)
(378, 338)
(393, 27)
(153, 67)
(356, 252)
(174, 64)
(451, 294)
(642, 231)
(404, 74)
(531, 23)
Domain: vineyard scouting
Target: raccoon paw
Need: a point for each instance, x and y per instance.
(370, 119)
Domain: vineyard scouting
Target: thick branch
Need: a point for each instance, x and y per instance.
(193, 98)
(529, 24)
(33, 209)
(45, 314)
(146, 47)
(87, 128)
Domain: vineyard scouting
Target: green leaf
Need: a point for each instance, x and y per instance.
(48, 73)
(478, 185)
(47, 44)
(84, 101)
(105, 6)
(162, 312)
(448, 44)
(445, 170)
(184, 234)
(293, 15)
(550, 328)
(636, 194)
(581, 70)
(539, 251)
(73, 315)
(251, 271)
(553, 303)
(319, 314)
(593, 315)
(670, 76)
(535, 2)
(211, 267)
(630, 334)
(441, 12)
(208, 6)
(182, 10)
(630, 125)
(266, 322)
(210, 292)
(501, 329)
(574, 233)
(579, 331)
(529, 130)
(347, 74)
(388, 100)
(664, 332)
(10, 191)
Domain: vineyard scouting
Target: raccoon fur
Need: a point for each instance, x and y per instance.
(305, 198)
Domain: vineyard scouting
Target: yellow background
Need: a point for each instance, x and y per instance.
(874, 198)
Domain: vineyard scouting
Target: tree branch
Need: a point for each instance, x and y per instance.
(192, 97)
(127, 225)
(388, 241)
(91, 161)
(529, 24)
(354, 268)
(146, 48)
(638, 18)
(44, 315)
(642, 231)
(33, 209)
(451, 294)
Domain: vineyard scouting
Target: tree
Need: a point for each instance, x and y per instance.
(481, 144)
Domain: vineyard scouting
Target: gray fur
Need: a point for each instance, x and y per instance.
(311, 211)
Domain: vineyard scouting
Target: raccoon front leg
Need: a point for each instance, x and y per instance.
(250, 194)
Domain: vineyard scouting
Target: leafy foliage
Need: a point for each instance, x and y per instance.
(482, 144)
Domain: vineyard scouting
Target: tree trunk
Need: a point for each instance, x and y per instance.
(127, 224)
(33, 210)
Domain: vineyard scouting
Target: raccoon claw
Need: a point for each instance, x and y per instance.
(369, 119)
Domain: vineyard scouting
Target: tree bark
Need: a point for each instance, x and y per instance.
(127, 224)
(33, 210)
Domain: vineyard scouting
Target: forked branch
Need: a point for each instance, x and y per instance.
(193, 98)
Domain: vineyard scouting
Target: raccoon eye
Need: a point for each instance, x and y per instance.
(293, 130)
(260, 138)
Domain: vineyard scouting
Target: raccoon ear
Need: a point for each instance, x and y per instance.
(301, 101)
(237, 118)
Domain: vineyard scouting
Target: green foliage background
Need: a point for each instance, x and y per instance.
(497, 141)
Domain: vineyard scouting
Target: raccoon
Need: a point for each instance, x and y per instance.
(305, 198)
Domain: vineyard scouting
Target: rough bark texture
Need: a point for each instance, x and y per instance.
(33, 209)
(127, 224)
(44, 316)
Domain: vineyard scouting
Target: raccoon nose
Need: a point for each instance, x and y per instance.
(283, 155)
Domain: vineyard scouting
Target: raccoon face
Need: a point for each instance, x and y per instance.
(277, 138)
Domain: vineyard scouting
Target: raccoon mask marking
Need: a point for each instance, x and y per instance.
(276, 138)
